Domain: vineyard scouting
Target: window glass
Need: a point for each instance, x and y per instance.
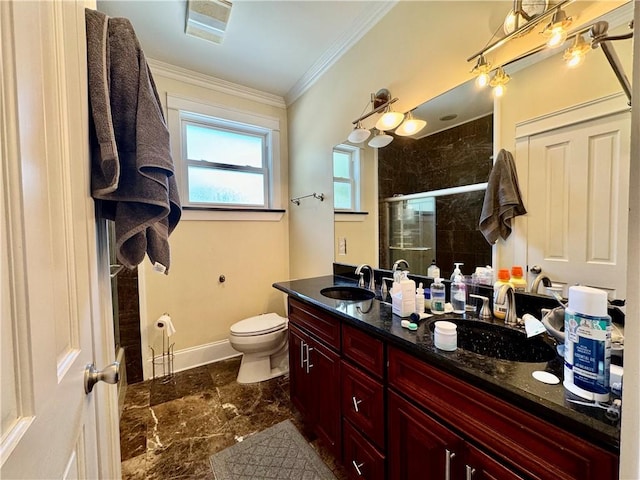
(341, 164)
(223, 146)
(211, 185)
(342, 195)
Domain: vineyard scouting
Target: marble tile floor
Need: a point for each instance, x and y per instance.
(168, 430)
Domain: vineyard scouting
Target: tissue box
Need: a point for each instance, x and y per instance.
(402, 307)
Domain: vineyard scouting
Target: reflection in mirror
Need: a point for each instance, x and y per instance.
(542, 87)
(435, 167)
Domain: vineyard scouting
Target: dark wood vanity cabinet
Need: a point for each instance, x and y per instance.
(389, 415)
(509, 439)
(314, 373)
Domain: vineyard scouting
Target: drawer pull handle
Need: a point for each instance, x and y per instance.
(470, 472)
(447, 463)
(302, 356)
(357, 467)
(356, 403)
(308, 360)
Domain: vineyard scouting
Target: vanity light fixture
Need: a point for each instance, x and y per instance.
(410, 126)
(499, 82)
(575, 54)
(380, 139)
(556, 29)
(481, 70)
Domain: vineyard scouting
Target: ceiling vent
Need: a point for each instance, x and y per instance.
(207, 19)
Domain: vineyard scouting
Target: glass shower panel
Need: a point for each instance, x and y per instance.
(412, 232)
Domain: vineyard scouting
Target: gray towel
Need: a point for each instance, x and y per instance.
(502, 200)
(131, 166)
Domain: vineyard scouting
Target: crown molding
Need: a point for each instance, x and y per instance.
(201, 80)
(359, 28)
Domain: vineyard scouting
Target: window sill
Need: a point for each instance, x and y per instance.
(232, 214)
(350, 216)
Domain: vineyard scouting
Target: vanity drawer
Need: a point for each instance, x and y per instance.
(363, 403)
(361, 459)
(507, 432)
(365, 351)
(321, 325)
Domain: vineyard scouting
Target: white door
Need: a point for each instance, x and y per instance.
(578, 203)
(52, 286)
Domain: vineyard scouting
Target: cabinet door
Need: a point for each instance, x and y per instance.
(299, 380)
(480, 466)
(419, 447)
(324, 377)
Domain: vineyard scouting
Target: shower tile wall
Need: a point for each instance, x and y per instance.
(454, 157)
(129, 323)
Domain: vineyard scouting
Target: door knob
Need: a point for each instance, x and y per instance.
(109, 374)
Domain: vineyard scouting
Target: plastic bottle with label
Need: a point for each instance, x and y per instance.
(433, 271)
(438, 296)
(458, 295)
(500, 309)
(517, 279)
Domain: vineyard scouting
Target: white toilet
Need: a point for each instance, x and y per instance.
(264, 343)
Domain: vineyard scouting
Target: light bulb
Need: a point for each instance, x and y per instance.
(482, 80)
(410, 126)
(575, 54)
(358, 134)
(380, 139)
(499, 90)
(389, 120)
(557, 38)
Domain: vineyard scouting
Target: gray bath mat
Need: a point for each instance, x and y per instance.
(279, 452)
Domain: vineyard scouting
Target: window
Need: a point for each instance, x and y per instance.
(227, 164)
(346, 178)
(225, 159)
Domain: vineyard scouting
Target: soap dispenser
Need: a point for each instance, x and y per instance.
(456, 271)
(458, 295)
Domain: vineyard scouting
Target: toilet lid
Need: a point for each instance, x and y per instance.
(261, 324)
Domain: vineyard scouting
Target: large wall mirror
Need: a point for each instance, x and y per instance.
(424, 193)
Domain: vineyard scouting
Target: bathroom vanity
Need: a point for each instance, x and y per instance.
(390, 405)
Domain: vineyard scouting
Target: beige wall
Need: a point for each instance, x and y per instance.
(250, 254)
(417, 51)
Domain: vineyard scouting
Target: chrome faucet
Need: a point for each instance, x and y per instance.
(372, 282)
(506, 294)
(540, 278)
(397, 264)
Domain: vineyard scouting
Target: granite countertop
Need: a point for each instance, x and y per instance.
(508, 380)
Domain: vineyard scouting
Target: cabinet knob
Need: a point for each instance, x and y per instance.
(356, 403)
(470, 472)
(447, 463)
(357, 466)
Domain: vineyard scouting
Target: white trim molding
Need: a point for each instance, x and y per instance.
(342, 45)
(213, 83)
(196, 356)
(600, 107)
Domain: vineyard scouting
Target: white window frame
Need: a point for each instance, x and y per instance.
(354, 176)
(180, 110)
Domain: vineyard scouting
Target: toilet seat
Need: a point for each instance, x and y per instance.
(259, 325)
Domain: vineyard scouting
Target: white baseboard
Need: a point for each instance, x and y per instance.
(196, 356)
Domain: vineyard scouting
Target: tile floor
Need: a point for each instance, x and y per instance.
(169, 430)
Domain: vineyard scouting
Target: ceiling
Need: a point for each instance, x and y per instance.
(273, 46)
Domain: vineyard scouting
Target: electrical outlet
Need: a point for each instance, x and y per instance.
(342, 245)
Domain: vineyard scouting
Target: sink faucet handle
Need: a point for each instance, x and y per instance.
(485, 311)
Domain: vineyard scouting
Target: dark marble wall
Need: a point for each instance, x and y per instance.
(454, 157)
(129, 323)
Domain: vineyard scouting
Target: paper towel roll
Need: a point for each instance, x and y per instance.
(164, 323)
